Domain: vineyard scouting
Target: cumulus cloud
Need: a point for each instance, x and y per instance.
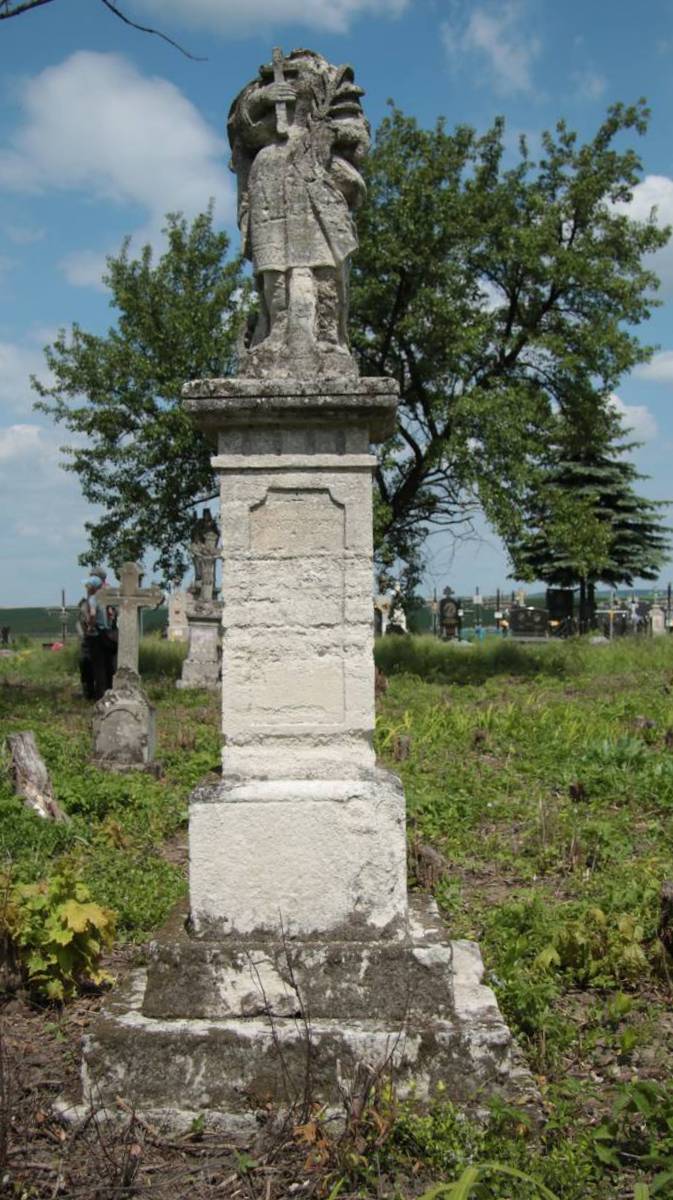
(637, 419)
(95, 125)
(17, 363)
(498, 35)
(20, 442)
(24, 235)
(655, 193)
(659, 369)
(233, 17)
(590, 84)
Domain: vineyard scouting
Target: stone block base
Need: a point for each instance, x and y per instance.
(317, 858)
(273, 1016)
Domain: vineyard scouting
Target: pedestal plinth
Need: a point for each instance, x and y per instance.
(202, 667)
(300, 956)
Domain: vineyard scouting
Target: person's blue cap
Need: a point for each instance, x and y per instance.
(92, 581)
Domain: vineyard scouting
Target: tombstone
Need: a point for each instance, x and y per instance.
(303, 956)
(449, 616)
(178, 628)
(529, 624)
(657, 620)
(124, 719)
(202, 667)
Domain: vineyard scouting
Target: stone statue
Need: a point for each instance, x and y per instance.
(204, 551)
(298, 137)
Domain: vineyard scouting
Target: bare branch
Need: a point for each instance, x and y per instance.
(146, 29)
(9, 9)
(17, 9)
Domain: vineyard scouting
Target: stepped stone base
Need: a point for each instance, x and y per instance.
(265, 1016)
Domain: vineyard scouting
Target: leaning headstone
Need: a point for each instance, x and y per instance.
(304, 963)
(202, 667)
(124, 719)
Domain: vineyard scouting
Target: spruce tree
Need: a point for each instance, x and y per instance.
(587, 524)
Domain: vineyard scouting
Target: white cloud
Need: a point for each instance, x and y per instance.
(659, 369)
(17, 364)
(95, 125)
(498, 35)
(19, 442)
(655, 192)
(85, 268)
(24, 235)
(590, 85)
(637, 419)
(235, 17)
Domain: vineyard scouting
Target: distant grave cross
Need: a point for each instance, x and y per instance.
(128, 600)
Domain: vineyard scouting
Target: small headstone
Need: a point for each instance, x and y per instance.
(124, 725)
(529, 624)
(123, 720)
(657, 620)
(202, 667)
(178, 626)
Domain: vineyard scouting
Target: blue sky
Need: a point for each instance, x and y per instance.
(104, 129)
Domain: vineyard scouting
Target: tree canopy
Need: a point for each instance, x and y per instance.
(138, 455)
(503, 298)
(586, 524)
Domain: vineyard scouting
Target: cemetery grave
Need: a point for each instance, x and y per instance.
(539, 775)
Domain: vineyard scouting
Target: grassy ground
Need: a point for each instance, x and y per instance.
(544, 777)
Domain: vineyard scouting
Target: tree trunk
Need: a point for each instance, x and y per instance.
(583, 605)
(31, 778)
(591, 605)
(665, 929)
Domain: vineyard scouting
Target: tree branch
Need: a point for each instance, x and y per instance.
(23, 6)
(145, 29)
(17, 9)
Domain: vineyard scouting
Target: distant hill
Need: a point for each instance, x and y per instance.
(45, 623)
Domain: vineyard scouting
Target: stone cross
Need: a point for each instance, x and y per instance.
(129, 599)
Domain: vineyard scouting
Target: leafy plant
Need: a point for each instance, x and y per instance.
(59, 933)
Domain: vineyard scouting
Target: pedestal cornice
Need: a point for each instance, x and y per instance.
(219, 403)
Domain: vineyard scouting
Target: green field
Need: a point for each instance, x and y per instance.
(543, 775)
(45, 624)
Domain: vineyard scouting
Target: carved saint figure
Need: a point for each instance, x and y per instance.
(204, 551)
(298, 138)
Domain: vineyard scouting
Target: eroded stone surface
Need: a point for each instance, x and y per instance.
(124, 725)
(299, 137)
(310, 857)
(174, 1068)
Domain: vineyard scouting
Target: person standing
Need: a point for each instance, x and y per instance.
(96, 647)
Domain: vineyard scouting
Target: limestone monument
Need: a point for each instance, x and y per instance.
(123, 719)
(203, 664)
(302, 954)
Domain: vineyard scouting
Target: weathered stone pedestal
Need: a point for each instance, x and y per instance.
(202, 667)
(301, 956)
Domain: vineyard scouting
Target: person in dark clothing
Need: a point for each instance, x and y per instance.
(96, 648)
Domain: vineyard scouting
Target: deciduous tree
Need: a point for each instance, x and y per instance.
(137, 454)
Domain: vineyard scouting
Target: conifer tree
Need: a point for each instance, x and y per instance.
(586, 523)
